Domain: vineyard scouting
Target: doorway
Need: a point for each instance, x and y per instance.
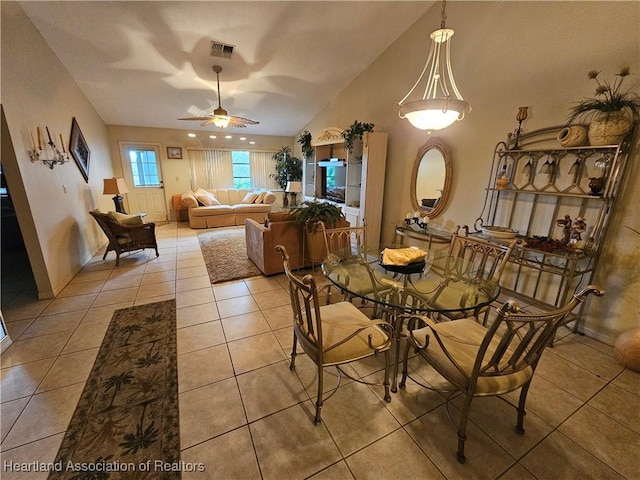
(17, 276)
(143, 175)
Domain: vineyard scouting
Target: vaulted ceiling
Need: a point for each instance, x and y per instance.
(147, 63)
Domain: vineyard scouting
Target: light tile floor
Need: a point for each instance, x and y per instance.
(245, 415)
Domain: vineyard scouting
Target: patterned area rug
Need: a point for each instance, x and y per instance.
(225, 254)
(126, 423)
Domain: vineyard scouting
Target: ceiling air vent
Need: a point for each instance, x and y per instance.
(221, 50)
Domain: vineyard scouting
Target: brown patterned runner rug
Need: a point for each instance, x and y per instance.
(126, 423)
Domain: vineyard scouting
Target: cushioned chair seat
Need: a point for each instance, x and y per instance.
(462, 338)
(338, 321)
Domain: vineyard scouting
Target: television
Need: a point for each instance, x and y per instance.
(334, 180)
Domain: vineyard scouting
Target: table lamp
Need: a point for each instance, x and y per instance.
(294, 188)
(116, 186)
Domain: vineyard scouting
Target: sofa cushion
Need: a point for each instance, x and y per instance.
(206, 198)
(281, 216)
(212, 210)
(189, 200)
(250, 207)
(125, 219)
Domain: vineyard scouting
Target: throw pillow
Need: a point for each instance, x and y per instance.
(207, 199)
(260, 197)
(249, 197)
(126, 219)
(188, 200)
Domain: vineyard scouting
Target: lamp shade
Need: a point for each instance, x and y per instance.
(114, 186)
(294, 187)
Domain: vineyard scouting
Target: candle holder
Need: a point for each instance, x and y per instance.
(421, 222)
(57, 157)
(521, 116)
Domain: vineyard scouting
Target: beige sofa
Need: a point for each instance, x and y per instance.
(226, 206)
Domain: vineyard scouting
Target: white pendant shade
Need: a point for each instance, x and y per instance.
(441, 103)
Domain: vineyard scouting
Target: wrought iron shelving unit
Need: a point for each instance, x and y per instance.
(544, 183)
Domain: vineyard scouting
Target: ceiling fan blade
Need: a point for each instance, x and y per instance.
(238, 122)
(196, 118)
(245, 120)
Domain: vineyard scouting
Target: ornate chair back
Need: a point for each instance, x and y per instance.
(487, 361)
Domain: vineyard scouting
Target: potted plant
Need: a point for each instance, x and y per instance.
(288, 169)
(356, 130)
(305, 142)
(612, 111)
(309, 214)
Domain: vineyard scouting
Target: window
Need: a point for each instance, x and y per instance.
(241, 169)
(144, 168)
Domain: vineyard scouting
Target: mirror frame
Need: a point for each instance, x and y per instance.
(437, 144)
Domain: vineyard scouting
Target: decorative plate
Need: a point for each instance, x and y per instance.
(499, 232)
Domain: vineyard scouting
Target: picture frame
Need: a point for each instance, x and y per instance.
(174, 153)
(79, 149)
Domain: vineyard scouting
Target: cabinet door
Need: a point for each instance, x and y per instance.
(352, 216)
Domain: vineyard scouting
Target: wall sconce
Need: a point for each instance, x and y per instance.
(441, 104)
(39, 154)
(116, 186)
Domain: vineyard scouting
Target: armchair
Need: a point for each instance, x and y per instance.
(125, 237)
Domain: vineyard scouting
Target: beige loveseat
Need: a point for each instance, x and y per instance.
(226, 206)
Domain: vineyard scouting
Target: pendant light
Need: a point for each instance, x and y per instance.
(441, 104)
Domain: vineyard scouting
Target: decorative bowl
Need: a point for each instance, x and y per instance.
(499, 232)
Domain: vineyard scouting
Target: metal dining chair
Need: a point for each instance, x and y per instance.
(480, 361)
(475, 261)
(333, 335)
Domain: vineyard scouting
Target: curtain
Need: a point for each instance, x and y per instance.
(210, 169)
(262, 167)
(214, 169)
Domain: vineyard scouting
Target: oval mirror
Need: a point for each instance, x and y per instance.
(431, 178)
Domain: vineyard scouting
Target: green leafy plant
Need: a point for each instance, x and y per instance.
(356, 130)
(609, 97)
(288, 167)
(305, 142)
(310, 213)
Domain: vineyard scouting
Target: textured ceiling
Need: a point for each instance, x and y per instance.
(148, 63)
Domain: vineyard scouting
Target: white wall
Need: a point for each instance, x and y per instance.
(506, 55)
(59, 233)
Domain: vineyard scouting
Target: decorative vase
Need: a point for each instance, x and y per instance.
(609, 128)
(573, 136)
(596, 184)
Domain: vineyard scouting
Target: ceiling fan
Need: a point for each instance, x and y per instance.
(220, 118)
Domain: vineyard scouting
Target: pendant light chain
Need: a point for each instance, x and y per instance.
(443, 15)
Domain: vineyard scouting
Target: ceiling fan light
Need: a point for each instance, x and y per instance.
(221, 121)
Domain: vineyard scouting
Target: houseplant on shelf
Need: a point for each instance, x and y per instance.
(305, 143)
(288, 169)
(309, 214)
(612, 112)
(356, 130)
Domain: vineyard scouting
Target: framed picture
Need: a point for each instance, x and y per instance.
(79, 149)
(174, 152)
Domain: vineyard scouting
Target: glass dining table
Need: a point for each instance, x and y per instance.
(438, 285)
